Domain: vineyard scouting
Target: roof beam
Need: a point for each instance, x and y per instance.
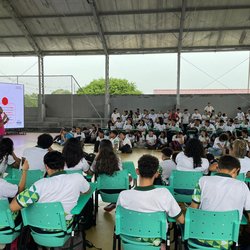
(19, 22)
(139, 12)
(134, 32)
(99, 25)
(132, 51)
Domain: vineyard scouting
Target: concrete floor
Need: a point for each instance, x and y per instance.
(102, 234)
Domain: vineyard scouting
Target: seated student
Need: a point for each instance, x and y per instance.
(220, 145)
(142, 126)
(222, 192)
(131, 137)
(159, 124)
(167, 164)
(204, 138)
(99, 138)
(65, 135)
(8, 190)
(7, 155)
(239, 150)
(118, 124)
(151, 140)
(74, 156)
(113, 137)
(34, 155)
(178, 141)
(213, 163)
(59, 187)
(146, 198)
(125, 144)
(162, 140)
(106, 162)
(193, 157)
(80, 135)
(140, 140)
(128, 125)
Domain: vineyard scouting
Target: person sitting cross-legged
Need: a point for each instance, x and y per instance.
(59, 187)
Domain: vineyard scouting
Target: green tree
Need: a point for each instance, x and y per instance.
(61, 92)
(31, 100)
(117, 87)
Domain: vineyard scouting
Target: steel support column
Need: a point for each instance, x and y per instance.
(41, 98)
(182, 21)
(107, 94)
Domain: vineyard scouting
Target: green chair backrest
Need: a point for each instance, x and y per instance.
(6, 219)
(209, 225)
(73, 171)
(137, 224)
(129, 165)
(32, 176)
(240, 177)
(119, 180)
(49, 216)
(184, 179)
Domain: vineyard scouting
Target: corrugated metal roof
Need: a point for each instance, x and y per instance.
(122, 26)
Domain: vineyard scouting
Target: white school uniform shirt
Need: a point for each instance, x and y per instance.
(217, 141)
(151, 139)
(209, 109)
(163, 140)
(152, 116)
(167, 167)
(185, 163)
(7, 190)
(81, 135)
(127, 127)
(229, 128)
(124, 117)
(240, 116)
(244, 164)
(221, 192)
(185, 118)
(142, 127)
(196, 116)
(119, 125)
(35, 156)
(3, 165)
(61, 187)
(125, 142)
(159, 126)
(114, 116)
(131, 138)
(148, 200)
(82, 165)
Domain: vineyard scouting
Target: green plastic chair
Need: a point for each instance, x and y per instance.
(8, 231)
(32, 176)
(43, 219)
(118, 181)
(131, 225)
(209, 225)
(183, 180)
(130, 167)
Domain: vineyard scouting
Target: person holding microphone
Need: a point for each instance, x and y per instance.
(3, 120)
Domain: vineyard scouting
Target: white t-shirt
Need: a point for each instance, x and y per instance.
(209, 109)
(151, 139)
(35, 156)
(127, 127)
(81, 135)
(64, 188)
(222, 193)
(149, 199)
(244, 164)
(185, 118)
(229, 128)
(152, 116)
(82, 165)
(3, 165)
(217, 141)
(159, 126)
(142, 127)
(196, 116)
(7, 190)
(163, 140)
(185, 163)
(114, 116)
(167, 167)
(125, 141)
(119, 125)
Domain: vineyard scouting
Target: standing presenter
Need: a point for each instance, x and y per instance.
(3, 120)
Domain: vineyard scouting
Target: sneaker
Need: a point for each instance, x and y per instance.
(110, 207)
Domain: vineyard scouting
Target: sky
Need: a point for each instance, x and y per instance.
(155, 71)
